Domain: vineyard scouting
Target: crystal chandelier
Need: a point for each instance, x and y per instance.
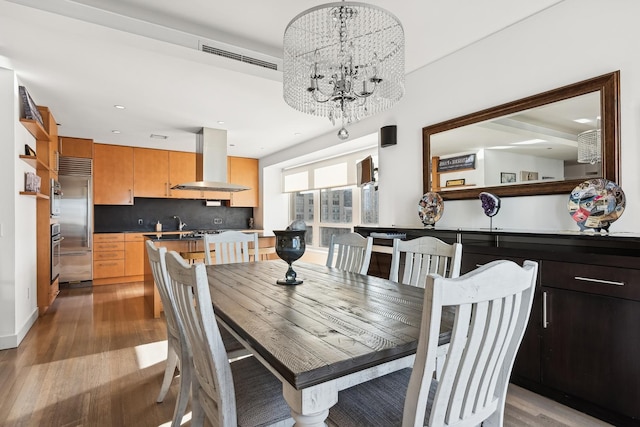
(344, 61)
(590, 147)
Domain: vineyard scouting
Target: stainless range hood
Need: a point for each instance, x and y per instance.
(211, 163)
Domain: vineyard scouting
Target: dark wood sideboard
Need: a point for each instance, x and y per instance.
(582, 343)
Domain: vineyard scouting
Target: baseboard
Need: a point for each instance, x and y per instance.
(13, 341)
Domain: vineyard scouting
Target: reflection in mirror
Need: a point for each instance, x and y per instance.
(543, 144)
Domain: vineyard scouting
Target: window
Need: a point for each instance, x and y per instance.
(369, 205)
(325, 197)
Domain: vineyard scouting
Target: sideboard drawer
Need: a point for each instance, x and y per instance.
(595, 279)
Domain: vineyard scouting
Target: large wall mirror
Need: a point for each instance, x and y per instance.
(544, 144)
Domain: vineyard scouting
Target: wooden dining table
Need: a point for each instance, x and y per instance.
(331, 332)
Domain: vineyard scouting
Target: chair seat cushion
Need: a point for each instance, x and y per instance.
(379, 402)
(259, 400)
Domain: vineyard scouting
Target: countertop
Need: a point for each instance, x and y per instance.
(178, 236)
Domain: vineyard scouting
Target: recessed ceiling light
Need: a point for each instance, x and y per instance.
(115, 131)
(220, 122)
(156, 136)
(583, 120)
(119, 107)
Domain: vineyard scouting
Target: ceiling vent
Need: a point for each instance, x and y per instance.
(238, 57)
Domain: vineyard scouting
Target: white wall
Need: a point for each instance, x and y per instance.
(498, 161)
(18, 301)
(569, 42)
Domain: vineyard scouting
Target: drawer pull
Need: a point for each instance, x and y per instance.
(606, 282)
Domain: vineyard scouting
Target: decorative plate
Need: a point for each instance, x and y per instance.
(596, 203)
(430, 208)
(490, 203)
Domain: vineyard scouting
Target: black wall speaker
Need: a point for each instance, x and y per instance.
(388, 135)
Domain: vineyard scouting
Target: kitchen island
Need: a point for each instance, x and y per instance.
(190, 245)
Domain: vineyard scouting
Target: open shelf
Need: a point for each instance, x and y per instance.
(33, 193)
(34, 162)
(35, 129)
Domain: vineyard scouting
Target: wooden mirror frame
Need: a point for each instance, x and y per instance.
(609, 87)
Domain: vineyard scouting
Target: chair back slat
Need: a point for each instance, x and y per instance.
(211, 365)
(423, 256)
(492, 306)
(350, 252)
(230, 247)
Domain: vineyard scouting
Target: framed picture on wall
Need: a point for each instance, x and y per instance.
(528, 176)
(507, 177)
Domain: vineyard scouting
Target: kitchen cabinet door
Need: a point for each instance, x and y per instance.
(591, 344)
(150, 172)
(134, 254)
(112, 174)
(76, 147)
(527, 365)
(592, 348)
(182, 168)
(244, 171)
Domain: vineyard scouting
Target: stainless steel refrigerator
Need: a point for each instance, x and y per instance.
(76, 219)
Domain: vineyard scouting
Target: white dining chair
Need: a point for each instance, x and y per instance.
(177, 349)
(350, 252)
(230, 247)
(178, 355)
(492, 306)
(423, 256)
(242, 393)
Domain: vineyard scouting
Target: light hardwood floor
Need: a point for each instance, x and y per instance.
(94, 359)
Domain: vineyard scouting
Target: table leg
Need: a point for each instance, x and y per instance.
(310, 406)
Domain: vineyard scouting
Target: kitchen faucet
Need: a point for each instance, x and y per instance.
(181, 224)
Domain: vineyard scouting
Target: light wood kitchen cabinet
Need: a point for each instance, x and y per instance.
(118, 258)
(150, 172)
(108, 256)
(244, 171)
(54, 149)
(112, 174)
(182, 168)
(75, 147)
(122, 173)
(134, 254)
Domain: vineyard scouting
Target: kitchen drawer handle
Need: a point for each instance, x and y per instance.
(606, 282)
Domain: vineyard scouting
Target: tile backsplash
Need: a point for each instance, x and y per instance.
(197, 216)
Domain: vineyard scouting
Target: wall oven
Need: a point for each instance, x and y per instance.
(55, 195)
(56, 239)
